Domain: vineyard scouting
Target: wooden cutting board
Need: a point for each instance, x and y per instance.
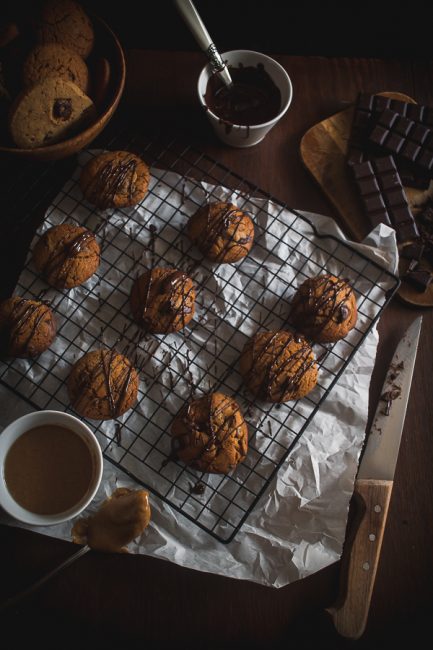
(323, 152)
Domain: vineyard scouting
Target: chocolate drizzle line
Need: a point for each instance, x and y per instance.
(118, 434)
(112, 177)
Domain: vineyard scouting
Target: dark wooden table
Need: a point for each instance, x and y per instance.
(116, 600)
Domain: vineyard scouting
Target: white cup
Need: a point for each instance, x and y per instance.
(38, 419)
(238, 135)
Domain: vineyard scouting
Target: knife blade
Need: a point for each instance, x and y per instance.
(373, 487)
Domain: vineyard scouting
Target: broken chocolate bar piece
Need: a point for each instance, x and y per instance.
(420, 278)
(383, 196)
(412, 178)
(367, 108)
(413, 251)
(426, 216)
(406, 139)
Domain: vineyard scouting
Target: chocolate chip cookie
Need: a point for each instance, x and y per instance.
(103, 385)
(67, 255)
(210, 434)
(278, 366)
(55, 60)
(222, 231)
(49, 111)
(162, 300)
(324, 308)
(115, 179)
(27, 327)
(66, 22)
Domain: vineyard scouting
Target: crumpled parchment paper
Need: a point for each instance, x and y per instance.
(298, 525)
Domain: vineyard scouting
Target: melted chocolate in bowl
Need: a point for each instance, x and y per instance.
(49, 469)
(253, 98)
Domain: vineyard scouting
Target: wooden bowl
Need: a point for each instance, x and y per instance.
(108, 47)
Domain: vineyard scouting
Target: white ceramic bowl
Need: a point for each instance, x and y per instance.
(37, 419)
(246, 136)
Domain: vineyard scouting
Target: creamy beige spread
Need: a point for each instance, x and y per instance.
(48, 469)
(120, 519)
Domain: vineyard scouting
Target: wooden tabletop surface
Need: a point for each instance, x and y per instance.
(115, 600)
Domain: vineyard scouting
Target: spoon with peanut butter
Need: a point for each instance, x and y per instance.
(121, 518)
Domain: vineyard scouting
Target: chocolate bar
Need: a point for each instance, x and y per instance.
(367, 109)
(409, 140)
(383, 196)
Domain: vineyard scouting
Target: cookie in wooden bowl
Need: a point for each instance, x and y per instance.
(66, 22)
(48, 112)
(55, 60)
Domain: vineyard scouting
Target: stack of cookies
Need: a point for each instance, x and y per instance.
(48, 93)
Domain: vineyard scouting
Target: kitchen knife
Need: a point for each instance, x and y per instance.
(373, 488)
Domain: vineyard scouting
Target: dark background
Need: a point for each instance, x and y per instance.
(359, 28)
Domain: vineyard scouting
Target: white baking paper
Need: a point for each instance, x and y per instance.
(298, 526)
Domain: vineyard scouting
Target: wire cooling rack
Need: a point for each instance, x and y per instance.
(233, 302)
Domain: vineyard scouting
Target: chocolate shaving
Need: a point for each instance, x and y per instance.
(118, 434)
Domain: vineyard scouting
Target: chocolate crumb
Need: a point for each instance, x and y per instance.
(198, 488)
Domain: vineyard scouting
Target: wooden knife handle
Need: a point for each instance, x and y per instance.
(362, 557)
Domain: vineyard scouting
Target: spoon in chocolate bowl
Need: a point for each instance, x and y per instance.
(192, 18)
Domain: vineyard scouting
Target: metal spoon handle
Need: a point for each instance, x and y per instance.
(27, 592)
(192, 18)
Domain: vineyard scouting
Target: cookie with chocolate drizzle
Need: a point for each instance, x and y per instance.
(278, 366)
(324, 308)
(210, 434)
(163, 300)
(115, 179)
(222, 231)
(102, 385)
(67, 255)
(27, 327)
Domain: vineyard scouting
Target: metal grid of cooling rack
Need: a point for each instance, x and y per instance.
(233, 302)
